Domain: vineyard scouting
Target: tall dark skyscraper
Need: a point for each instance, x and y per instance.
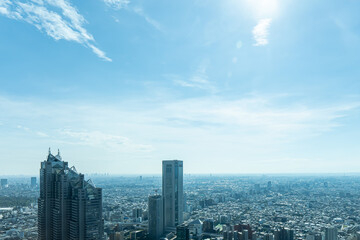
(33, 182)
(156, 217)
(172, 192)
(182, 232)
(69, 207)
(284, 234)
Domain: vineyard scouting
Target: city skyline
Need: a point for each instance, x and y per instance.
(263, 86)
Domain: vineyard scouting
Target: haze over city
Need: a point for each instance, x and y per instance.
(227, 86)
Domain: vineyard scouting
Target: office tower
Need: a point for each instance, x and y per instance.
(269, 236)
(172, 192)
(137, 213)
(182, 232)
(69, 207)
(269, 185)
(241, 227)
(310, 237)
(4, 183)
(156, 217)
(245, 234)
(254, 236)
(284, 234)
(236, 235)
(318, 236)
(331, 233)
(33, 182)
(208, 225)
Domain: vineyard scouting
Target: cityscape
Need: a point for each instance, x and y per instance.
(179, 120)
(62, 204)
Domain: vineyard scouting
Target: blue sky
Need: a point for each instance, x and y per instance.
(251, 86)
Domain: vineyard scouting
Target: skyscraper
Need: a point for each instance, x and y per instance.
(284, 234)
(33, 182)
(172, 192)
(331, 233)
(182, 232)
(69, 207)
(4, 183)
(156, 217)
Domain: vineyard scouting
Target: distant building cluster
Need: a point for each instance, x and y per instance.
(175, 206)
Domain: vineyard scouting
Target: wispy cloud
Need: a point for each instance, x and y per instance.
(117, 4)
(251, 126)
(261, 32)
(198, 80)
(269, 115)
(261, 115)
(100, 139)
(124, 4)
(148, 19)
(59, 19)
(28, 130)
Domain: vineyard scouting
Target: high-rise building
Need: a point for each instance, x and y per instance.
(182, 232)
(331, 233)
(241, 227)
(156, 217)
(33, 182)
(318, 236)
(269, 236)
(172, 192)
(208, 225)
(137, 213)
(245, 234)
(284, 234)
(4, 183)
(69, 207)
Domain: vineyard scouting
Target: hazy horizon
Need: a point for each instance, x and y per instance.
(262, 86)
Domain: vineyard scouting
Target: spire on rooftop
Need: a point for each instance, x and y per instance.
(58, 157)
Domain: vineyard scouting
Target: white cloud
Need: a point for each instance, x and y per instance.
(252, 127)
(260, 114)
(148, 19)
(57, 18)
(23, 128)
(100, 53)
(120, 4)
(28, 130)
(100, 139)
(259, 117)
(117, 4)
(198, 80)
(261, 32)
(41, 134)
